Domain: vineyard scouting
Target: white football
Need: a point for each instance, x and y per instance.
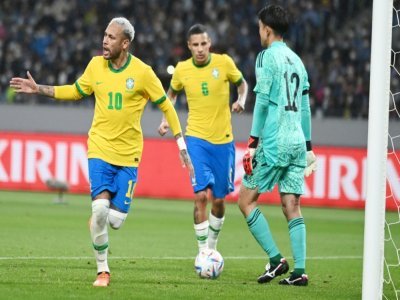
(209, 264)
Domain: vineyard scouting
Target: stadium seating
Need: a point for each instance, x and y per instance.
(55, 39)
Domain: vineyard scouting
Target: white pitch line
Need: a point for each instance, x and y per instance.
(348, 257)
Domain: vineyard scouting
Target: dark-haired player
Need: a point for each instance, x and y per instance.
(279, 148)
(205, 78)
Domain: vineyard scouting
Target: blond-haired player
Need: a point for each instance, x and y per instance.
(122, 85)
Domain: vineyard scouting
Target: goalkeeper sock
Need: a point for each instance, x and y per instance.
(99, 233)
(259, 228)
(201, 231)
(215, 225)
(276, 260)
(297, 234)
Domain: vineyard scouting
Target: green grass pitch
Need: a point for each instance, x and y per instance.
(45, 252)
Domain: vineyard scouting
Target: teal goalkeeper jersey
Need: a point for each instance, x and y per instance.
(282, 82)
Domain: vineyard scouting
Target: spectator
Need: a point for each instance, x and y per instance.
(315, 32)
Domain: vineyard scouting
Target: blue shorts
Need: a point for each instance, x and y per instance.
(119, 181)
(214, 165)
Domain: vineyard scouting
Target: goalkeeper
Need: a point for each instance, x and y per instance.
(279, 148)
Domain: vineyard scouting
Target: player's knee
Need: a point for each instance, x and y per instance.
(219, 203)
(244, 207)
(218, 207)
(100, 208)
(242, 201)
(201, 198)
(290, 205)
(116, 219)
(247, 200)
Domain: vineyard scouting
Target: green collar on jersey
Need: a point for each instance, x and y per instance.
(202, 66)
(123, 67)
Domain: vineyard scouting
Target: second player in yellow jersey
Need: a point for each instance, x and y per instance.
(207, 91)
(205, 79)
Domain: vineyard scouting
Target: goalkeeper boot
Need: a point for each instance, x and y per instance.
(273, 271)
(103, 279)
(295, 279)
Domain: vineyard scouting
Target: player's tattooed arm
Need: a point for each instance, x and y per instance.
(29, 86)
(46, 90)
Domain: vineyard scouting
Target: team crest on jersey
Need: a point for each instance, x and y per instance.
(215, 73)
(130, 83)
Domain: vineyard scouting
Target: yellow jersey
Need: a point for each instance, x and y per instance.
(207, 93)
(121, 95)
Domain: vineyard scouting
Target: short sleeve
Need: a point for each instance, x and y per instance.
(176, 82)
(84, 82)
(153, 87)
(233, 73)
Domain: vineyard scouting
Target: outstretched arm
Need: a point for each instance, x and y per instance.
(242, 90)
(29, 86)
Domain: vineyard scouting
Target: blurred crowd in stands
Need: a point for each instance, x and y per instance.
(55, 40)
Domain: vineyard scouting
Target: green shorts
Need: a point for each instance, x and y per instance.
(290, 178)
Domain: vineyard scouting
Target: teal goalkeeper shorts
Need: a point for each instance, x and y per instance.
(290, 179)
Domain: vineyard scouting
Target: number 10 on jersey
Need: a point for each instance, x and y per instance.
(114, 101)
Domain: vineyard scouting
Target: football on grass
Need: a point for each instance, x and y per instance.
(209, 264)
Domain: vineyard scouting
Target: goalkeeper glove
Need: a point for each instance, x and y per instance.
(249, 155)
(311, 163)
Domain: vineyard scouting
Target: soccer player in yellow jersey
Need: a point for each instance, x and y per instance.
(122, 85)
(205, 78)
